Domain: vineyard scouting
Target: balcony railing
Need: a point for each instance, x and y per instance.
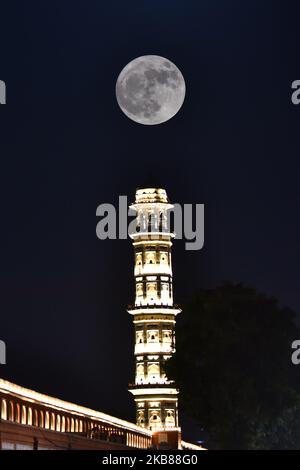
(158, 306)
(152, 385)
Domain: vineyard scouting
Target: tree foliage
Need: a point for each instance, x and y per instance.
(233, 367)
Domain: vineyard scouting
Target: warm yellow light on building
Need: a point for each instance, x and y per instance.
(154, 313)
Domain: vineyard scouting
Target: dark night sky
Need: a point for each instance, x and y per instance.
(66, 147)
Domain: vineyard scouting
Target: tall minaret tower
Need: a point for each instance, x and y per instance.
(153, 313)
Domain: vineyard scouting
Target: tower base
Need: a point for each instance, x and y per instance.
(167, 439)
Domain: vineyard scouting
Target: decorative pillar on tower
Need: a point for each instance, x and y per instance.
(154, 313)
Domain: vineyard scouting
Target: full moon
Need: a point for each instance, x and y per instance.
(150, 89)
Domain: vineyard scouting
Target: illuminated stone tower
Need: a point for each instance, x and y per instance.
(153, 313)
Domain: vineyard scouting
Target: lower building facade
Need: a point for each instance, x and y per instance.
(33, 421)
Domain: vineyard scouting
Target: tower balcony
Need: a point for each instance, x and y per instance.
(165, 385)
(148, 385)
(162, 300)
(149, 237)
(154, 308)
(158, 391)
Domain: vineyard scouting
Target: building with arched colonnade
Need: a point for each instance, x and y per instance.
(32, 420)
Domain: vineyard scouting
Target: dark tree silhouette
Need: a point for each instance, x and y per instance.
(233, 366)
